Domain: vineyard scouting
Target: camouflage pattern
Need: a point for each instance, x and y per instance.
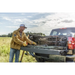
(49, 40)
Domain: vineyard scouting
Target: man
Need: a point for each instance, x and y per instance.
(18, 38)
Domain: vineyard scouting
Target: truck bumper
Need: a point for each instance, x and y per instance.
(70, 56)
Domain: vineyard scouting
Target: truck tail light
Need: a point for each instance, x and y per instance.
(71, 43)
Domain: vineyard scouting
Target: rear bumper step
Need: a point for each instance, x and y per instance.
(70, 56)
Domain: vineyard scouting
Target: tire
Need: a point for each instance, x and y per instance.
(40, 59)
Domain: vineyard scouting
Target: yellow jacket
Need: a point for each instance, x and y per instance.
(17, 41)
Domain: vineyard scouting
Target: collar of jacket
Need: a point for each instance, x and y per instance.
(19, 30)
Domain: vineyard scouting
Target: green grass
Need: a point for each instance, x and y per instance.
(5, 50)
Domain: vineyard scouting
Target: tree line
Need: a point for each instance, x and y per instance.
(27, 33)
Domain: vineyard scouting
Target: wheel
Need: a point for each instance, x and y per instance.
(40, 59)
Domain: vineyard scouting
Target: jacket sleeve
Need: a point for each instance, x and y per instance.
(15, 38)
(27, 39)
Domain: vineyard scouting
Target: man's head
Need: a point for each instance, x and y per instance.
(22, 27)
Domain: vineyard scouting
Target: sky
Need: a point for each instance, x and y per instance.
(36, 22)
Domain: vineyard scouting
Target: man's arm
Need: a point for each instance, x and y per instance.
(28, 40)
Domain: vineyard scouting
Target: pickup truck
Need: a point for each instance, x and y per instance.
(61, 42)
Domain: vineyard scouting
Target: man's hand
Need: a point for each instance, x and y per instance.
(34, 43)
(24, 44)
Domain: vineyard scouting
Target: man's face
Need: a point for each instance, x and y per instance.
(22, 29)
